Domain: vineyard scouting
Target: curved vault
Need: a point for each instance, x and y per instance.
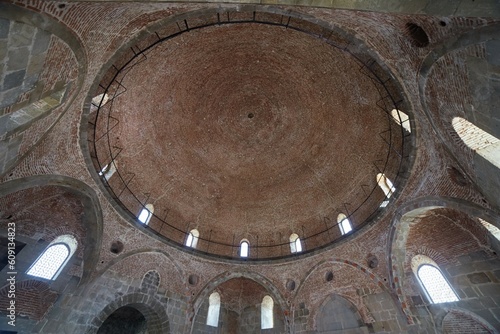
(247, 125)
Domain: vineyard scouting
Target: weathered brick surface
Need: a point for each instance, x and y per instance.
(387, 298)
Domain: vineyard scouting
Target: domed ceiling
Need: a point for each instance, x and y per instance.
(253, 129)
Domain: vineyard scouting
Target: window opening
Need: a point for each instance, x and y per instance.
(434, 284)
(387, 187)
(402, 119)
(213, 310)
(192, 239)
(53, 259)
(244, 248)
(108, 170)
(478, 140)
(495, 231)
(295, 243)
(266, 313)
(146, 214)
(344, 224)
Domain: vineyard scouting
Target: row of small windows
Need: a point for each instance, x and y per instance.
(266, 311)
(53, 259)
(193, 235)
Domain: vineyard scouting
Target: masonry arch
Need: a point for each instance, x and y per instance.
(92, 212)
(40, 101)
(400, 230)
(266, 288)
(155, 317)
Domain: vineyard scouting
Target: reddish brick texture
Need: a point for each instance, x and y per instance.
(253, 131)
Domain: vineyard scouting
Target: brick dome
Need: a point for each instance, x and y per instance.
(249, 130)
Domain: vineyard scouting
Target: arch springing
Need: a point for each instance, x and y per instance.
(54, 258)
(213, 310)
(266, 313)
(192, 239)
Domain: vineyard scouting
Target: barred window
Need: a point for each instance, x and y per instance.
(53, 259)
(437, 288)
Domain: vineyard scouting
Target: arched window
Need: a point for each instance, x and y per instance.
(295, 243)
(401, 118)
(478, 140)
(213, 310)
(146, 214)
(344, 224)
(266, 313)
(244, 248)
(192, 239)
(435, 285)
(386, 185)
(53, 259)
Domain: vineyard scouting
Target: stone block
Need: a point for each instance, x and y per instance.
(35, 64)
(41, 43)
(21, 35)
(3, 50)
(478, 278)
(14, 79)
(18, 59)
(490, 289)
(4, 28)
(8, 98)
(492, 51)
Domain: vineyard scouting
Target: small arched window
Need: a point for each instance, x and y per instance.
(480, 141)
(192, 239)
(213, 310)
(53, 259)
(146, 213)
(344, 224)
(266, 313)
(434, 284)
(295, 243)
(244, 248)
(401, 118)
